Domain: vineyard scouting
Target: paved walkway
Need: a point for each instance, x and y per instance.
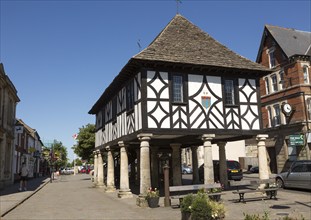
(10, 197)
(74, 197)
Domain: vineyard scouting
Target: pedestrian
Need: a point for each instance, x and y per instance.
(24, 175)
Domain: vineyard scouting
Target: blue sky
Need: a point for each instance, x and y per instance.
(62, 54)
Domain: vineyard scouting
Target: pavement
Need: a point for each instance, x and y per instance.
(75, 197)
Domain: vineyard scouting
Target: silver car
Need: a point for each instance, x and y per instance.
(298, 176)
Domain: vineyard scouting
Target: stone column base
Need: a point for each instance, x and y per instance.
(141, 201)
(110, 189)
(100, 185)
(125, 194)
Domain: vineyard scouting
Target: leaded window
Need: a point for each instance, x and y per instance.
(229, 92)
(178, 88)
(130, 95)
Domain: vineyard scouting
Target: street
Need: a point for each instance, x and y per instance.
(74, 197)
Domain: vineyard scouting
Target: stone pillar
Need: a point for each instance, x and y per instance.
(100, 180)
(95, 167)
(223, 174)
(124, 191)
(110, 171)
(262, 157)
(208, 159)
(145, 178)
(176, 164)
(155, 167)
(195, 165)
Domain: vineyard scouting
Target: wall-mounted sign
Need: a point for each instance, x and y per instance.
(206, 101)
(296, 140)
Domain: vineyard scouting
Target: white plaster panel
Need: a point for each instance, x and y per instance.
(159, 114)
(214, 83)
(151, 123)
(194, 83)
(165, 93)
(175, 116)
(150, 107)
(150, 93)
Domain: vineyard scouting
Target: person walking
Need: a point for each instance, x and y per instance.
(24, 175)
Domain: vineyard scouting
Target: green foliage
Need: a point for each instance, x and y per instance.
(152, 193)
(266, 217)
(85, 142)
(185, 205)
(201, 207)
(60, 154)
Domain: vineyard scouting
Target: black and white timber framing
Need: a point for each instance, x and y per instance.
(204, 64)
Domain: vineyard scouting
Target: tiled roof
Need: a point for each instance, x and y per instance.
(292, 42)
(183, 42)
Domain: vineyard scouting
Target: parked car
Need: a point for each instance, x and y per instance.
(298, 176)
(186, 169)
(233, 169)
(67, 171)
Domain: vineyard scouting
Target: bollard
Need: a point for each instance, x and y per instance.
(167, 201)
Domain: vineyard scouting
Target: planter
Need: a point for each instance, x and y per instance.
(185, 215)
(215, 197)
(153, 202)
(271, 194)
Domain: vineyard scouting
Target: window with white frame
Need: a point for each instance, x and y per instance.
(305, 74)
(281, 76)
(271, 58)
(309, 108)
(270, 115)
(267, 85)
(277, 115)
(274, 83)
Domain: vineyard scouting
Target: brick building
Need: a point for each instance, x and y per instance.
(286, 94)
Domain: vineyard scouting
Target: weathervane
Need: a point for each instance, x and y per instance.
(139, 46)
(177, 5)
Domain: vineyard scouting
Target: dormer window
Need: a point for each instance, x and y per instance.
(305, 74)
(271, 58)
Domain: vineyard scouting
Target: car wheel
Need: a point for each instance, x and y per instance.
(184, 172)
(280, 183)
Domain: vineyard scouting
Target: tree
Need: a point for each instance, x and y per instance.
(85, 142)
(56, 154)
(60, 154)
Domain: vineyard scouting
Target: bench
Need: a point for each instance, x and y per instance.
(179, 192)
(252, 186)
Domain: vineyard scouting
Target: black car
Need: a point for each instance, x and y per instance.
(233, 168)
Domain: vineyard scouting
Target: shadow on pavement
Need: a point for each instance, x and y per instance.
(32, 185)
